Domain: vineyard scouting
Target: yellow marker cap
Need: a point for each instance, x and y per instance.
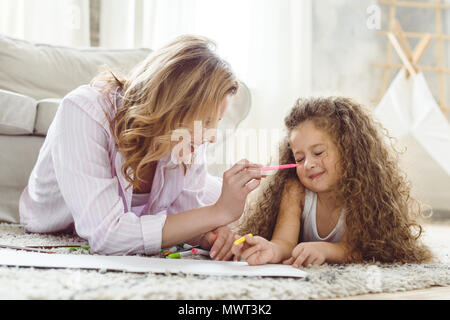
(242, 239)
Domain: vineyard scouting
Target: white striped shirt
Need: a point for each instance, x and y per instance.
(77, 183)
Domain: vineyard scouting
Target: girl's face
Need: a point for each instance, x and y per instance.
(319, 160)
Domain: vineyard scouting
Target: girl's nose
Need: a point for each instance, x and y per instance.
(309, 163)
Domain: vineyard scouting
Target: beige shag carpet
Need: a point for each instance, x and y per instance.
(326, 281)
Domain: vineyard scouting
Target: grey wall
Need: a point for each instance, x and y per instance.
(345, 49)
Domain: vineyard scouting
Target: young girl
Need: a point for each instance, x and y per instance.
(107, 169)
(346, 201)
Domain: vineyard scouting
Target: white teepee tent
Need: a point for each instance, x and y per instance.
(410, 114)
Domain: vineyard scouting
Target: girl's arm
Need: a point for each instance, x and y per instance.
(334, 252)
(257, 250)
(287, 228)
(318, 252)
(338, 252)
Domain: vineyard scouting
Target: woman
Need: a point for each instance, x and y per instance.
(107, 170)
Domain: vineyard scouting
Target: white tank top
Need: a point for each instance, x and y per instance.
(308, 225)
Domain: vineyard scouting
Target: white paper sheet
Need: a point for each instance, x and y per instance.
(146, 264)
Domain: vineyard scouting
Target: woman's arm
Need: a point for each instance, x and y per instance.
(80, 156)
(191, 225)
(287, 228)
(238, 182)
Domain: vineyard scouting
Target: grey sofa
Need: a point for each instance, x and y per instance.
(33, 79)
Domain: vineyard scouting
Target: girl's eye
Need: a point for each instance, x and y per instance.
(299, 160)
(318, 153)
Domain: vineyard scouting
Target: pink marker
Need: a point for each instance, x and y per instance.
(283, 166)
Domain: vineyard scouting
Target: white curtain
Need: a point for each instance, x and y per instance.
(59, 22)
(267, 43)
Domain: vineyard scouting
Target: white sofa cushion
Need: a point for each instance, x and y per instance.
(44, 71)
(17, 113)
(46, 110)
(16, 163)
(19, 159)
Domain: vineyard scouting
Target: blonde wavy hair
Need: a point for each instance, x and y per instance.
(381, 216)
(178, 84)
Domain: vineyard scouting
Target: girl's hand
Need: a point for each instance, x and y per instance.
(306, 253)
(255, 250)
(238, 182)
(219, 242)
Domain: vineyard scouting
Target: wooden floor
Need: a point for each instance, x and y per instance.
(436, 232)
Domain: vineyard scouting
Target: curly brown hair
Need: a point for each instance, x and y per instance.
(381, 216)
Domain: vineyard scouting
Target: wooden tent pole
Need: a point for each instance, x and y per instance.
(402, 54)
(445, 37)
(404, 44)
(401, 36)
(419, 50)
(417, 4)
(418, 67)
(416, 55)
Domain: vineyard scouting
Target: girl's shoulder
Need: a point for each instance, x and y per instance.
(293, 185)
(295, 191)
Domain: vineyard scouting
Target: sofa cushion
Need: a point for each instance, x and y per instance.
(18, 161)
(46, 110)
(15, 168)
(17, 113)
(9, 204)
(44, 71)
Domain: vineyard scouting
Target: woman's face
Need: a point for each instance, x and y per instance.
(318, 156)
(197, 133)
(209, 126)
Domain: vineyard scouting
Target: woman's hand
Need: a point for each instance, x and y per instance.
(238, 182)
(219, 243)
(307, 253)
(255, 250)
